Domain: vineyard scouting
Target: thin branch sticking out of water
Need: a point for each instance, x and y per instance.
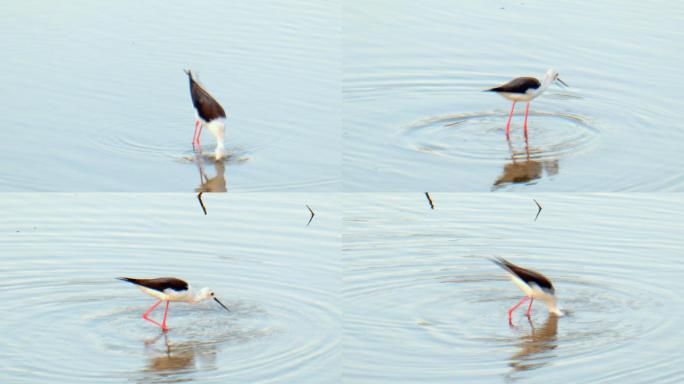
(199, 197)
(538, 211)
(432, 205)
(312, 215)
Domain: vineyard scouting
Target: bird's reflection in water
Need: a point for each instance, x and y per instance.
(173, 363)
(536, 346)
(523, 168)
(207, 184)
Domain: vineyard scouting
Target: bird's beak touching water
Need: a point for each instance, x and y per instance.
(220, 152)
(221, 304)
(562, 82)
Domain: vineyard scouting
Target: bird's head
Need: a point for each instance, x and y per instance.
(552, 75)
(208, 294)
(552, 305)
(220, 151)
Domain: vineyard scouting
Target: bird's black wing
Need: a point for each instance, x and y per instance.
(518, 85)
(527, 275)
(159, 284)
(207, 107)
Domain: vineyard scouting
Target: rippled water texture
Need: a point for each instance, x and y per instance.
(94, 97)
(423, 304)
(66, 319)
(415, 116)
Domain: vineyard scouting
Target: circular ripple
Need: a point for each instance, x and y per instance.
(440, 311)
(143, 144)
(71, 321)
(105, 323)
(600, 315)
(481, 136)
(143, 149)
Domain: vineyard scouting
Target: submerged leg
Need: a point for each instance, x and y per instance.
(149, 311)
(163, 326)
(513, 308)
(508, 124)
(529, 308)
(527, 110)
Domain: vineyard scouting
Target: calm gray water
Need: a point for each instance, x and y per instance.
(412, 68)
(94, 97)
(421, 303)
(66, 319)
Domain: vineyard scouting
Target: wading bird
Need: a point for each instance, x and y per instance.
(210, 114)
(525, 89)
(170, 289)
(533, 284)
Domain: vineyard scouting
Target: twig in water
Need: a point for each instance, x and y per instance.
(199, 197)
(312, 215)
(432, 205)
(540, 209)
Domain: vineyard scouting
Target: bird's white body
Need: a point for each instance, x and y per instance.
(217, 127)
(527, 96)
(172, 295)
(534, 292)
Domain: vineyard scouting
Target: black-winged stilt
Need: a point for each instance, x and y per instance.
(533, 284)
(525, 89)
(210, 114)
(170, 289)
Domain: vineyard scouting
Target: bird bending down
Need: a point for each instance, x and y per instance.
(533, 284)
(525, 89)
(210, 114)
(167, 289)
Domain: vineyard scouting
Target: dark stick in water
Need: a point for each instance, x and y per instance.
(432, 205)
(540, 209)
(312, 215)
(199, 197)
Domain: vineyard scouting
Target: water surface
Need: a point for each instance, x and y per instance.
(66, 319)
(415, 117)
(421, 302)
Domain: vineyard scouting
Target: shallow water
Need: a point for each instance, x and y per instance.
(66, 319)
(94, 97)
(415, 116)
(421, 302)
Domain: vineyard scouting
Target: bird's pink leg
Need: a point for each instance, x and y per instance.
(150, 310)
(513, 308)
(194, 135)
(508, 124)
(527, 110)
(529, 308)
(163, 326)
(199, 133)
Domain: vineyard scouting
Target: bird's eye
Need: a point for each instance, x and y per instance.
(212, 293)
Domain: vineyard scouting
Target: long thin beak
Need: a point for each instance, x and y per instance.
(221, 304)
(561, 81)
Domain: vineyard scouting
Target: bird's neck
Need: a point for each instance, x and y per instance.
(553, 307)
(545, 84)
(196, 298)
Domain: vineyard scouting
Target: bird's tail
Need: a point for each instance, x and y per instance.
(126, 279)
(501, 262)
(189, 73)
